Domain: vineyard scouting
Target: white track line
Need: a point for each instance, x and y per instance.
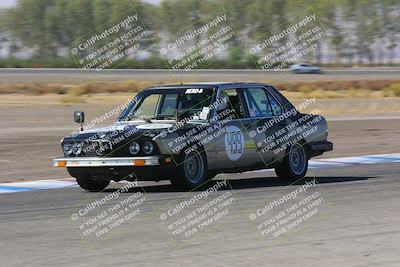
(313, 164)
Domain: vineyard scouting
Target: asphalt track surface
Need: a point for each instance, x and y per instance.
(69, 76)
(357, 225)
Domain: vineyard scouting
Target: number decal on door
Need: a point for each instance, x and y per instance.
(234, 143)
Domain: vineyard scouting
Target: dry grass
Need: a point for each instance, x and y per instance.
(24, 100)
(129, 86)
(392, 90)
(339, 89)
(371, 85)
(71, 99)
(329, 106)
(34, 89)
(320, 89)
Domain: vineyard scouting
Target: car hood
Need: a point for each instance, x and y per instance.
(126, 128)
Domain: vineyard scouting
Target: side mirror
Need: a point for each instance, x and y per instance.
(79, 117)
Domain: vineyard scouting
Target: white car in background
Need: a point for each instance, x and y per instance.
(304, 68)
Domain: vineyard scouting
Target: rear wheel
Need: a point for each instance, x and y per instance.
(192, 172)
(92, 185)
(295, 163)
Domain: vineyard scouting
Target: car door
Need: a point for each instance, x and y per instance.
(234, 147)
(266, 110)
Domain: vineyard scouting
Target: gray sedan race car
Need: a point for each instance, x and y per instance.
(189, 133)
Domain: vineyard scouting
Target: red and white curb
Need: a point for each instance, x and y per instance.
(313, 164)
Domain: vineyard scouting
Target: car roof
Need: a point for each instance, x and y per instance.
(204, 85)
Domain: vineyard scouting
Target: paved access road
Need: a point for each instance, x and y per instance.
(69, 76)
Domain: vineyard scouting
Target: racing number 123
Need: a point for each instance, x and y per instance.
(235, 142)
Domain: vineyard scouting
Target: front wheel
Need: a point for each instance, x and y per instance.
(92, 185)
(295, 163)
(192, 172)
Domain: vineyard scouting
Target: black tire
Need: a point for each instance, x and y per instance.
(92, 185)
(192, 172)
(295, 163)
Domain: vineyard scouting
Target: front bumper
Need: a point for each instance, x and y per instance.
(107, 162)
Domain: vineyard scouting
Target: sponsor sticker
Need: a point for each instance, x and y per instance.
(194, 91)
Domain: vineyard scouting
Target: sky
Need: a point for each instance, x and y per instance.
(8, 3)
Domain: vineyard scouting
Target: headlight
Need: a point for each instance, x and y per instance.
(67, 149)
(148, 147)
(134, 148)
(77, 148)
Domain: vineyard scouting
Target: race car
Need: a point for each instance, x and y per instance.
(304, 68)
(189, 133)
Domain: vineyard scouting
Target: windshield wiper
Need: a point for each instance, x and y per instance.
(166, 117)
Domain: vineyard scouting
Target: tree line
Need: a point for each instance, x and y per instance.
(358, 31)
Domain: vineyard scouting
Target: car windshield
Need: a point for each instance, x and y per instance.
(169, 104)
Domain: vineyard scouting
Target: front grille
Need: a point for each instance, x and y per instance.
(98, 148)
